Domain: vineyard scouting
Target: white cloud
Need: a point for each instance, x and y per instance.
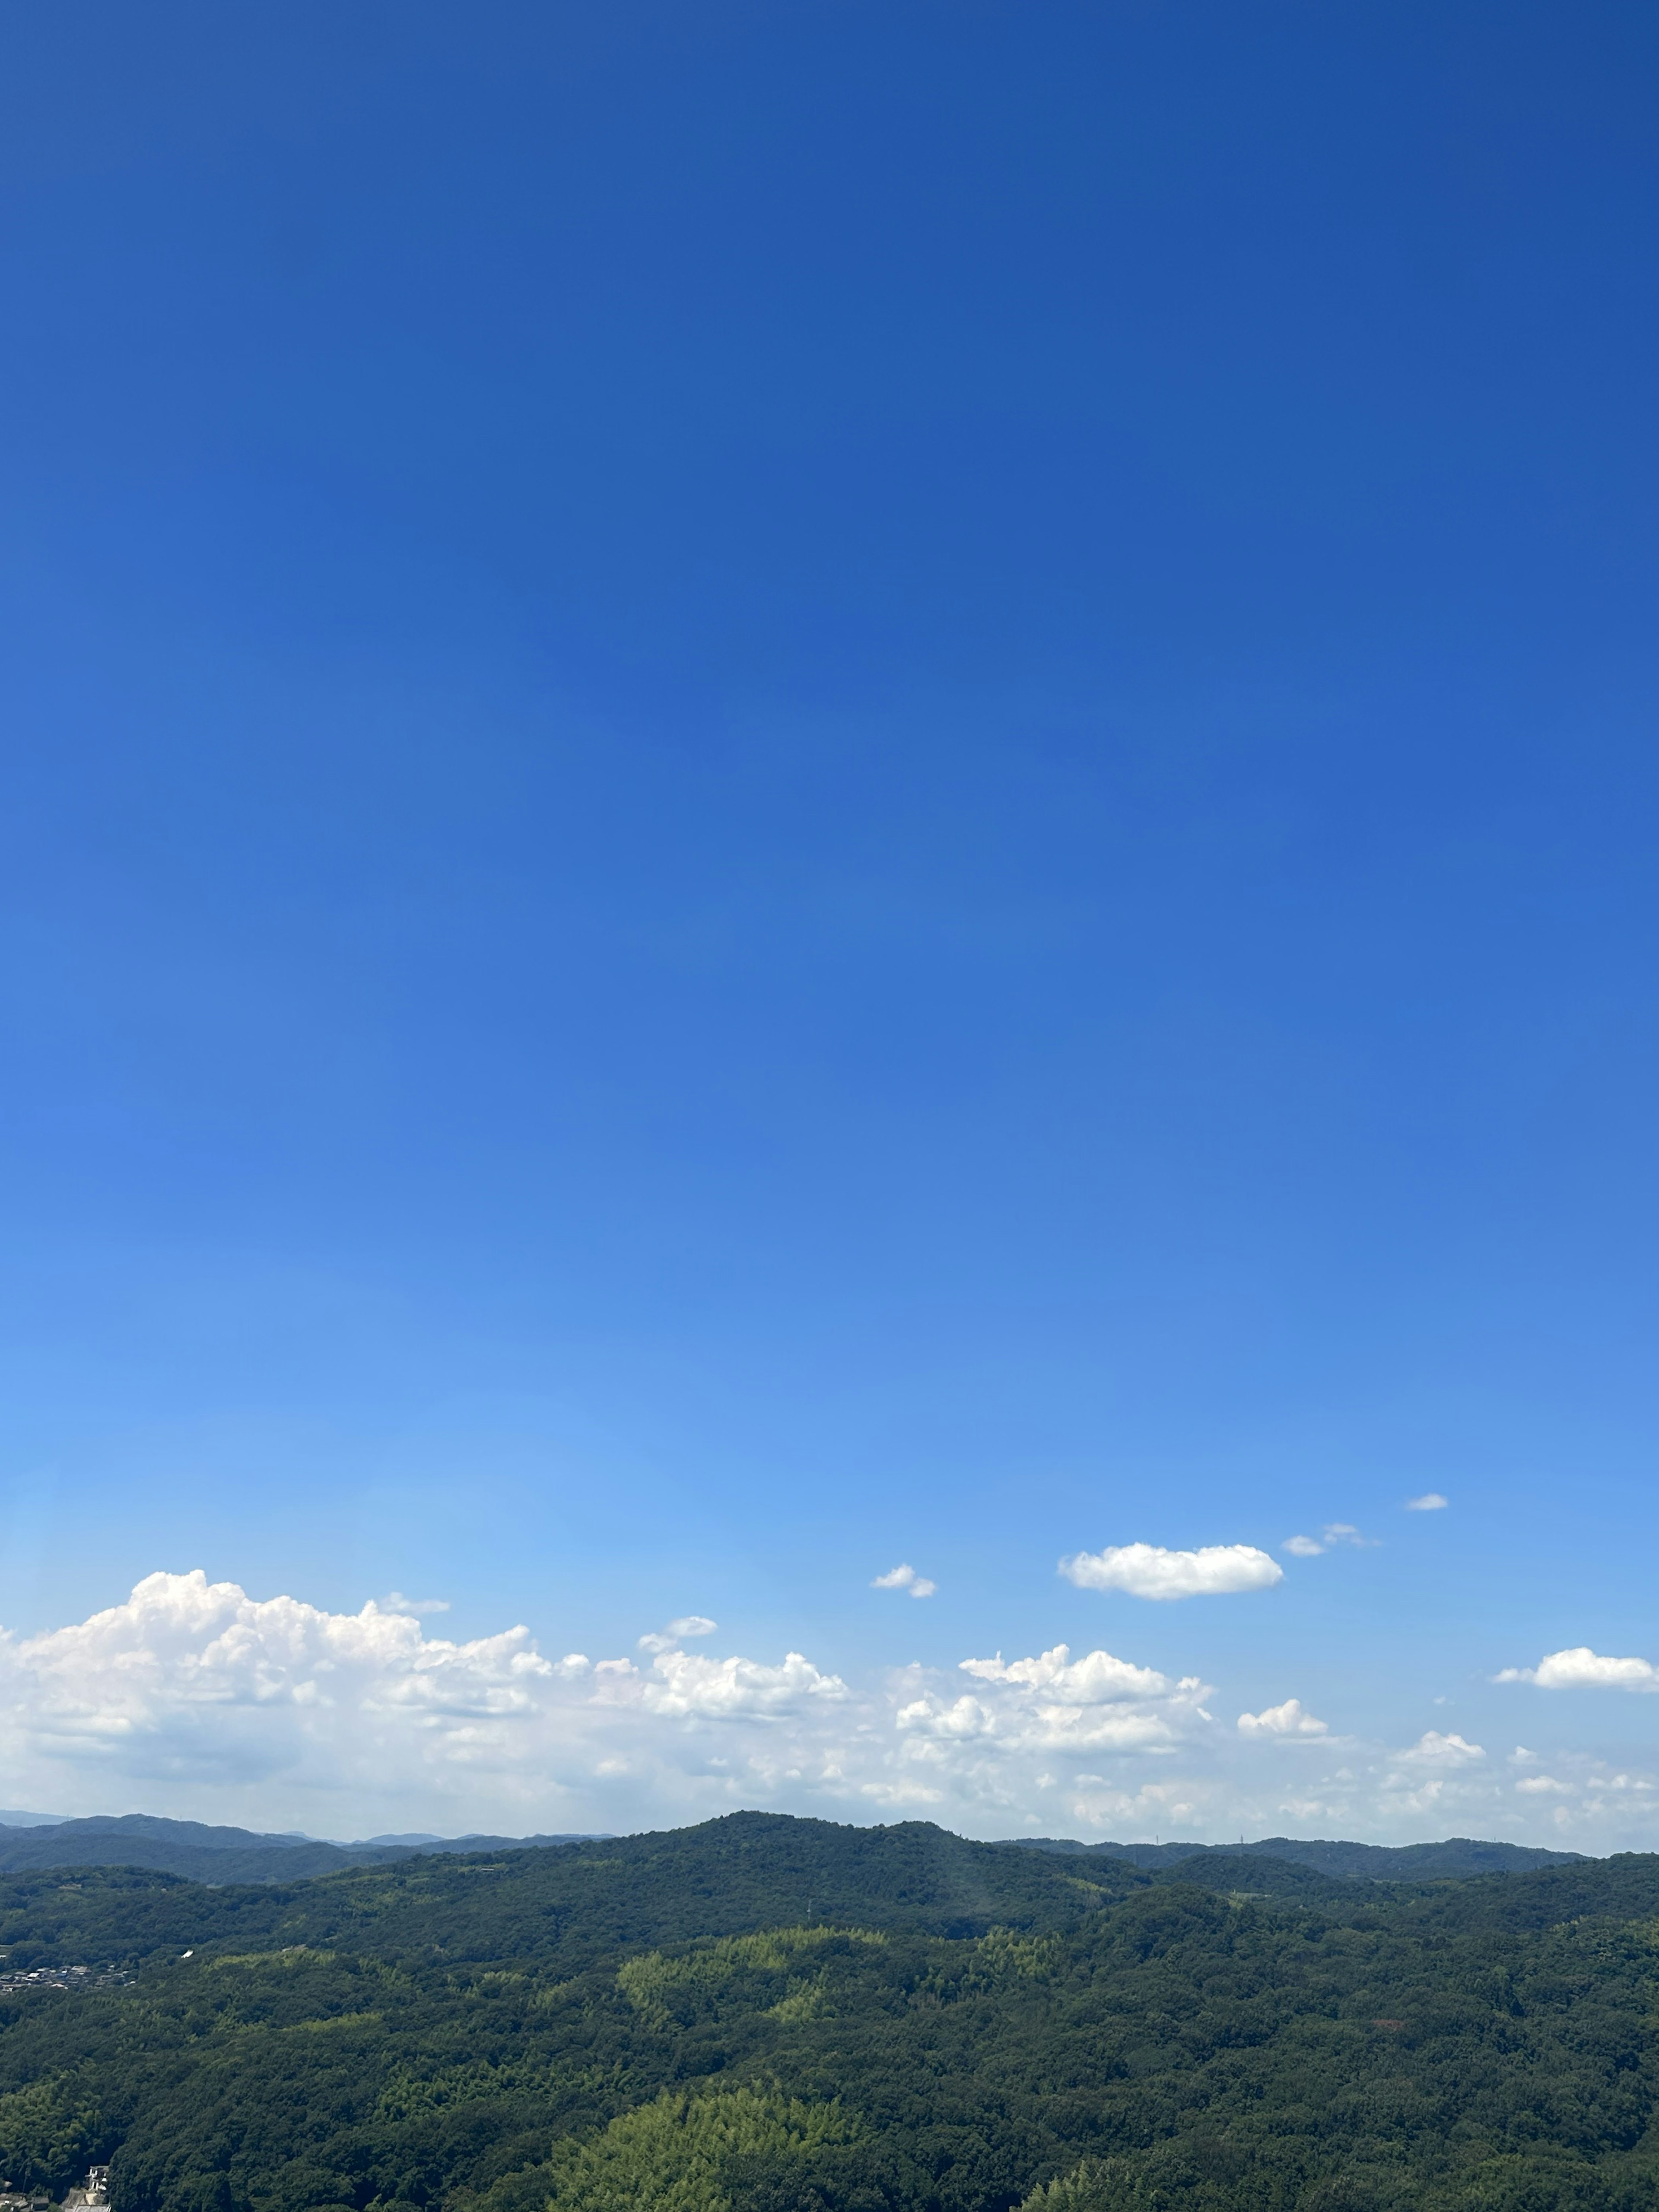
(1430, 1501)
(1333, 1533)
(1581, 1668)
(1096, 1679)
(1433, 1749)
(1055, 1702)
(395, 1601)
(966, 1718)
(193, 1695)
(189, 1674)
(1149, 1571)
(664, 1640)
(194, 1698)
(1545, 1785)
(719, 1688)
(905, 1578)
(1290, 1719)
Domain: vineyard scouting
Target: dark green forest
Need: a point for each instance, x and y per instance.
(763, 2014)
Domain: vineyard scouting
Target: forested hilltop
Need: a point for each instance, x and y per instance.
(763, 2014)
(1458, 1856)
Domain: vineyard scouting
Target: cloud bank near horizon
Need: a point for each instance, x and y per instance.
(193, 1697)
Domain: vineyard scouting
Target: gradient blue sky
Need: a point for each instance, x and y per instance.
(790, 786)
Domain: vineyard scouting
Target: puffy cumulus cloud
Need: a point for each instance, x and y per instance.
(962, 1719)
(1149, 1570)
(905, 1578)
(190, 1673)
(1433, 1749)
(1291, 1721)
(1096, 1679)
(718, 1689)
(1430, 1501)
(262, 1707)
(195, 1697)
(1056, 1702)
(1581, 1668)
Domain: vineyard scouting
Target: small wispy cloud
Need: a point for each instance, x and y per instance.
(1333, 1533)
(395, 1601)
(1581, 1668)
(905, 1578)
(688, 1623)
(1149, 1570)
(1430, 1501)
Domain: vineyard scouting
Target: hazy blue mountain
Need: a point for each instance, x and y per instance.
(482, 1842)
(201, 1852)
(219, 1855)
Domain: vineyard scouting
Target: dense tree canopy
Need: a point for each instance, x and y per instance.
(764, 2016)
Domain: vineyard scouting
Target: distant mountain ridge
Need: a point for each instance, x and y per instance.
(232, 1856)
(1458, 1857)
(219, 1855)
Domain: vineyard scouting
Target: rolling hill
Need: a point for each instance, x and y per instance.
(1455, 1858)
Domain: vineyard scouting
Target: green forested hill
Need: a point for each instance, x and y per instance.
(564, 1906)
(765, 2015)
(1456, 1857)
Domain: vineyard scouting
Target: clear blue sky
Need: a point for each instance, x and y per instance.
(795, 785)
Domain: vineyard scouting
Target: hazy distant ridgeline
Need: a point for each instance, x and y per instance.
(212, 1854)
(201, 1853)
